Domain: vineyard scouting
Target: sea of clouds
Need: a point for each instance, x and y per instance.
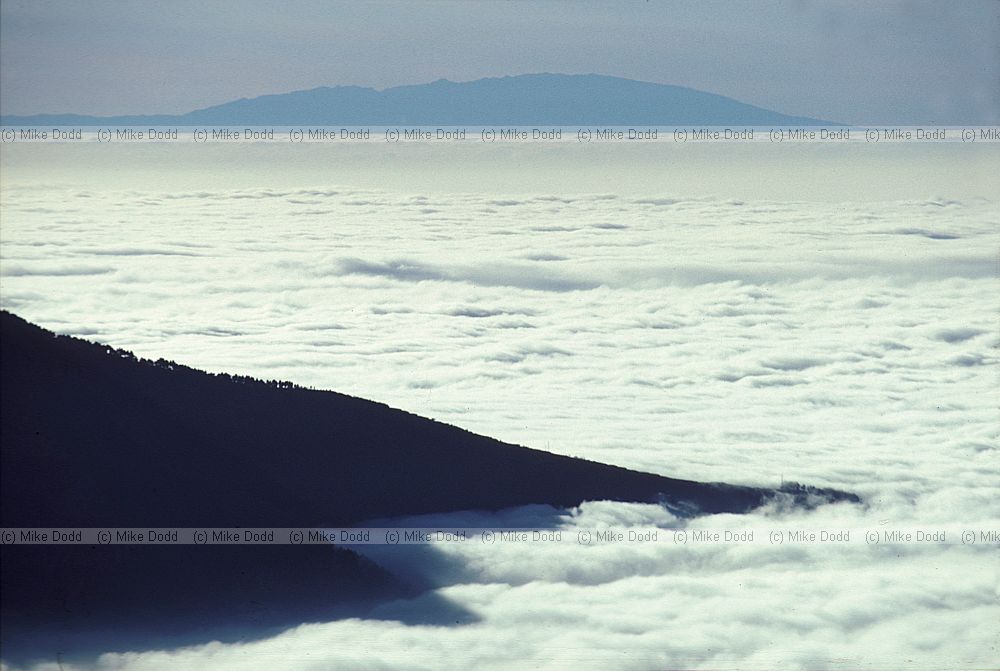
(845, 342)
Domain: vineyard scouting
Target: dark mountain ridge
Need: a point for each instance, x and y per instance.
(535, 99)
(91, 436)
(169, 445)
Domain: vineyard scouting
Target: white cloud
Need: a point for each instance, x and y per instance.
(849, 344)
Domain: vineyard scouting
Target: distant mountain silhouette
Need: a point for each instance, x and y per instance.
(91, 436)
(538, 99)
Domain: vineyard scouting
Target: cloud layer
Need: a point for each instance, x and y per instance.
(849, 344)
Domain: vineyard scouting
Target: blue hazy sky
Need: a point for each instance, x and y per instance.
(861, 62)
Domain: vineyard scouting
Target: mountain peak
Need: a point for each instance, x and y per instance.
(540, 99)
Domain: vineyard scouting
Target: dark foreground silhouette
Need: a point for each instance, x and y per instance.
(93, 437)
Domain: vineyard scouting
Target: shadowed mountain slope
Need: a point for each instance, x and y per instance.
(93, 437)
